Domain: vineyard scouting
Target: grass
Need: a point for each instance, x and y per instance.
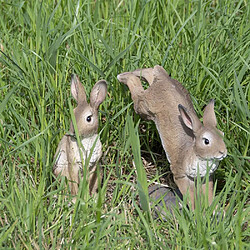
(203, 44)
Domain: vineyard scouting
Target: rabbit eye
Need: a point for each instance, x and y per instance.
(206, 141)
(89, 118)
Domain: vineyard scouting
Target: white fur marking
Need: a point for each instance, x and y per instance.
(203, 166)
(87, 144)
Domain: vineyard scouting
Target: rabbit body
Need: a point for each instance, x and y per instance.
(69, 160)
(168, 104)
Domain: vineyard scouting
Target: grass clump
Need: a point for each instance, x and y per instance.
(203, 44)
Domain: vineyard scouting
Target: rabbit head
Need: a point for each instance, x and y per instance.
(209, 144)
(86, 114)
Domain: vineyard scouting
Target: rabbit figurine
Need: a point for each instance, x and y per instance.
(191, 147)
(68, 161)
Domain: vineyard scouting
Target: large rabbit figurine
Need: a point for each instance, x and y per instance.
(68, 160)
(191, 147)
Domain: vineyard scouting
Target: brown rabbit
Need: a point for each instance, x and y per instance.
(190, 146)
(68, 160)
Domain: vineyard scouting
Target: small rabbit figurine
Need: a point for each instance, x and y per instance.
(191, 147)
(68, 160)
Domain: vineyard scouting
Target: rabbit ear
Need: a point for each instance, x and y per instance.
(209, 118)
(191, 122)
(98, 94)
(77, 90)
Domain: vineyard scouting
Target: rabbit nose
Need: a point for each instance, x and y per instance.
(224, 153)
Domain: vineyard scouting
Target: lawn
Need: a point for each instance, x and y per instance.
(203, 44)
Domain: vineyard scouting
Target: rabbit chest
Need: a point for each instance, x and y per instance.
(91, 147)
(201, 166)
(69, 152)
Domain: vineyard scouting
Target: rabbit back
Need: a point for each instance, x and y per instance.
(61, 161)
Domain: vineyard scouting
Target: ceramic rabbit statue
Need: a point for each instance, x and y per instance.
(189, 144)
(68, 161)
